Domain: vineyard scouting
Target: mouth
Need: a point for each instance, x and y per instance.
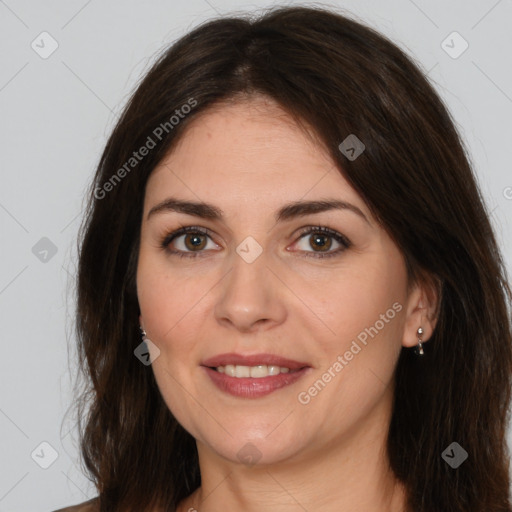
(253, 376)
(256, 372)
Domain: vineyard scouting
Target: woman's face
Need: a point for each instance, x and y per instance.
(256, 288)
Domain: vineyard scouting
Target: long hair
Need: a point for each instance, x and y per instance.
(339, 77)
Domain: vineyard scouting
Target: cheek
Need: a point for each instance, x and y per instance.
(161, 298)
(171, 304)
(365, 307)
(164, 301)
(359, 359)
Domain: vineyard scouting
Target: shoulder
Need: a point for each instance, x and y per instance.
(86, 506)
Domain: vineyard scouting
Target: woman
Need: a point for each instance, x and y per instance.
(290, 296)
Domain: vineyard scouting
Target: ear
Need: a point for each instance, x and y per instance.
(141, 323)
(422, 310)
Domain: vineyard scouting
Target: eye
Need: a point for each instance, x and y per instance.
(194, 240)
(321, 238)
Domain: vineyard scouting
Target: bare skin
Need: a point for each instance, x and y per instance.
(322, 451)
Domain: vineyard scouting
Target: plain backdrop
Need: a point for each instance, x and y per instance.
(67, 69)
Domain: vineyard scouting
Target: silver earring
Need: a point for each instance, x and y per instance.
(142, 332)
(419, 348)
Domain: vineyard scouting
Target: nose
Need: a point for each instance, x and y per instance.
(251, 296)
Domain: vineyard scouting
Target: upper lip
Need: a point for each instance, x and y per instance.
(252, 360)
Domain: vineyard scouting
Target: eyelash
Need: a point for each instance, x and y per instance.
(345, 242)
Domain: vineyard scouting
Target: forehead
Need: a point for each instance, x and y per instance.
(248, 152)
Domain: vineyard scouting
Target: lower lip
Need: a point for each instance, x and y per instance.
(251, 387)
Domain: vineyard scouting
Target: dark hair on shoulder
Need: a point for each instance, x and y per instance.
(339, 77)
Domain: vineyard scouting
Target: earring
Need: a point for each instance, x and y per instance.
(419, 348)
(142, 332)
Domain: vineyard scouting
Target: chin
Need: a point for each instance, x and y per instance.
(256, 446)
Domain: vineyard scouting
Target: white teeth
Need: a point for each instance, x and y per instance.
(258, 371)
(273, 370)
(242, 371)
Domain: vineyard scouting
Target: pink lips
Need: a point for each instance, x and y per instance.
(250, 387)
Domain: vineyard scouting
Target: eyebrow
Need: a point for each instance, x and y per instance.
(287, 212)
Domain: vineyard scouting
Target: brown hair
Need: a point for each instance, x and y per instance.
(339, 77)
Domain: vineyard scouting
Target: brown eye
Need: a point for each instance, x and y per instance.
(320, 239)
(321, 242)
(194, 241)
(187, 242)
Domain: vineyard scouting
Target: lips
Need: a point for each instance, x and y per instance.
(251, 387)
(253, 360)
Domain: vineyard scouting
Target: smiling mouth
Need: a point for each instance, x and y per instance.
(258, 371)
(253, 375)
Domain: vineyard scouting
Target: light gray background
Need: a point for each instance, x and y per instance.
(56, 114)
